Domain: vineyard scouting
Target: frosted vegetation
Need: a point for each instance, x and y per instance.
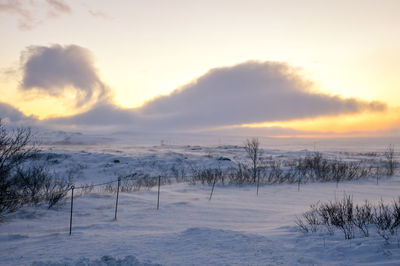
(257, 212)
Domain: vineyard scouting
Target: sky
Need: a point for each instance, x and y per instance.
(278, 68)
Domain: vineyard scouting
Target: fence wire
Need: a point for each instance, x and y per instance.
(127, 177)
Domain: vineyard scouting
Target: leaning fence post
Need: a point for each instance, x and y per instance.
(116, 203)
(298, 184)
(212, 190)
(158, 197)
(72, 206)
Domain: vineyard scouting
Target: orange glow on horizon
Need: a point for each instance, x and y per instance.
(359, 124)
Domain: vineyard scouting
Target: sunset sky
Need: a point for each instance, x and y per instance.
(299, 67)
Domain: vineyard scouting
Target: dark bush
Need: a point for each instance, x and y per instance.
(15, 148)
(347, 216)
(363, 217)
(22, 180)
(312, 168)
(390, 163)
(35, 184)
(207, 176)
(338, 214)
(384, 220)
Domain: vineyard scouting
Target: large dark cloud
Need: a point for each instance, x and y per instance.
(246, 93)
(54, 69)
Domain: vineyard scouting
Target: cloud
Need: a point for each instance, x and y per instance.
(99, 14)
(54, 69)
(58, 7)
(11, 115)
(102, 114)
(30, 13)
(250, 92)
(26, 20)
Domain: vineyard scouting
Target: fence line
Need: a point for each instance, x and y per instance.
(128, 177)
(73, 188)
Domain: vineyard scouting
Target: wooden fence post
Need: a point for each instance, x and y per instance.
(72, 206)
(116, 203)
(298, 184)
(212, 190)
(158, 197)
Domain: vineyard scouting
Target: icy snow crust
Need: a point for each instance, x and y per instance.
(235, 228)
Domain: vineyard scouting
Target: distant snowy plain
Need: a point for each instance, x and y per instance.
(236, 227)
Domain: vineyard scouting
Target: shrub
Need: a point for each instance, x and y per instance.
(207, 176)
(384, 220)
(390, 163)
(252, 148)
(35, 184)
(312, 168)
(363, 217)
(346, 216)
(21, 181)
(339, 214)
(15, 149)
(312, 219)
(56, 189)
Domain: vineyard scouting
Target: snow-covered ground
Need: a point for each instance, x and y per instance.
(236, 227)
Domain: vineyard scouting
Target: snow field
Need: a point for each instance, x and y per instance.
(235, 228)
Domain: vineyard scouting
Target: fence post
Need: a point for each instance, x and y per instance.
(212, 190)
(158, 197)
(116, 203)
(298, 184)
(72, 206)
